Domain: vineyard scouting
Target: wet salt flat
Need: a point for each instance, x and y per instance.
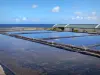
(29, 58)
(79, 41)
(30, 31)
(56, 34)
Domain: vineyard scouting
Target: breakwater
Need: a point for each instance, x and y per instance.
(58, 45)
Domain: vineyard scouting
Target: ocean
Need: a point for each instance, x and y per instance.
(26, 25)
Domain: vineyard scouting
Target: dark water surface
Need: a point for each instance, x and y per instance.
(29, 58)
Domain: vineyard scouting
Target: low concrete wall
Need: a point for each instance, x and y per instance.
(2, 71)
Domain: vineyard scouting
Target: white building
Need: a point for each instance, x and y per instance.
(79, 27)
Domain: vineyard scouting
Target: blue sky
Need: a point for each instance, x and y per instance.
(49, 11)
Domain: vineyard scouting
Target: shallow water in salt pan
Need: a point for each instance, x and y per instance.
(29, 58)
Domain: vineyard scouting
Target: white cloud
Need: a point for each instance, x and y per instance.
(34, 6)
(85, 16)
(21, 19)
(24, 18)
(65, 19)
(93, 13)
(88, 18)
(73, 18)
(92, 18)
(56, 9)
(81, 18)
(77, 17)
(17, 20)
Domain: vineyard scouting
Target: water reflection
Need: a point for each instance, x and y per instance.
(57, 34)
(28, 58)
(79, 41)
(96, 48)
(30, 31)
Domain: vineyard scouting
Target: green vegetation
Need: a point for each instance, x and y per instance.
(84, 30)
(75, 30)
(55, 29)
(94, 30)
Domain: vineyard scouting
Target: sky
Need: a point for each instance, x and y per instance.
(49, 11)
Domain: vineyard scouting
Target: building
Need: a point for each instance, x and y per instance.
(79, 27)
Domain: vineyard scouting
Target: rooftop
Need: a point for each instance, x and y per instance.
(78, 25)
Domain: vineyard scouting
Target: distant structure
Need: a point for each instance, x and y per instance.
(79, 27)
(2, 71)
